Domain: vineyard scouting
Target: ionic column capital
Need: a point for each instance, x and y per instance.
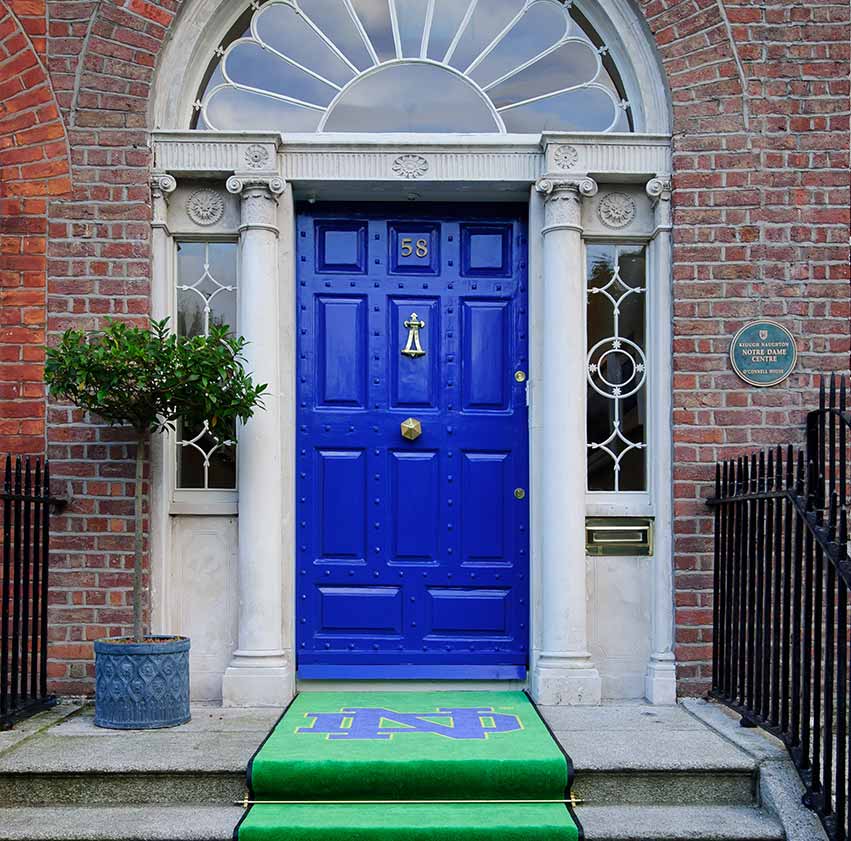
(243, 183)
(259, 198)
(659, 190)
(551, 186)
(563, 201)
(162, 186)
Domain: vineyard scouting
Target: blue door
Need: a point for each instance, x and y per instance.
(412, 539)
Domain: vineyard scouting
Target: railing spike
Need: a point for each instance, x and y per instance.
(769, 473)
(790, 466)
(811, 486)
(753, 473)
(831, 517)
(800, 479)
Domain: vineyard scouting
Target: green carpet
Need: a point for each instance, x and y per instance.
(406, 747)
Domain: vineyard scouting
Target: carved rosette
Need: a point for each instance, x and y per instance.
(256, 156)
(410, 166)
(205, 207)
(565, 157)
(616, 210)
(259, 197)
(563, 197)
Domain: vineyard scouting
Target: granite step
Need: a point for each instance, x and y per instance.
(635, 754)
(679, 823)
(208, 823)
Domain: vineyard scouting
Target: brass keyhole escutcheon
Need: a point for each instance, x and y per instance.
(411, 429)
(519, 493)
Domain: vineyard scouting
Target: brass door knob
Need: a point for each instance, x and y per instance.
(411, 429)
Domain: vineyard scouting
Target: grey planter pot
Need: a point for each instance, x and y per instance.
(141, 686)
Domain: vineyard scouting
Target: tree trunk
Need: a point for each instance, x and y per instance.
(137, 560)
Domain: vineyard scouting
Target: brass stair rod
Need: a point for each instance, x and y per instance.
(245, 802)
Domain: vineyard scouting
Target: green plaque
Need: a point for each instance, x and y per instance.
(763, 353)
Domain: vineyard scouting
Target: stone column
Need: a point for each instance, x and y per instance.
(660, 683)
(159, 531)
(564, 672)
(259, 674)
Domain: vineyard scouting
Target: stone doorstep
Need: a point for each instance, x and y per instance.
(609, 738)
(175, 823)
(625, 754)
(646, 772)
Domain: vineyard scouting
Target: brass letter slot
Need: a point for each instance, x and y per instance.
(619, 536)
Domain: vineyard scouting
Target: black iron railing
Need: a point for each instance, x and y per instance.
(23, 612)
(781, 609)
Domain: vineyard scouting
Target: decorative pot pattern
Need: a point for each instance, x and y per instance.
(141, 686)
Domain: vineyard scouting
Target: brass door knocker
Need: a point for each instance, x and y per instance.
(413, 348)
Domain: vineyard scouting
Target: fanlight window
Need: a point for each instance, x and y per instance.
(414, 66)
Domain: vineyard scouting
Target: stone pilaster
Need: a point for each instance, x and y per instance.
(660, 682)
(564, 672)
(260, 673)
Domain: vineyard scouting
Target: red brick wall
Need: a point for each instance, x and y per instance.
(761, 226)
(101, 57)
(760, 104)
(33, 168)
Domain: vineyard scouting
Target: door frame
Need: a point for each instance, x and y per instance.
(402, 168)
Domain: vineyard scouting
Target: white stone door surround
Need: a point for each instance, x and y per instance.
(562, 177)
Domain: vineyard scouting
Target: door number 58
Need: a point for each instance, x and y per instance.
(408, 247)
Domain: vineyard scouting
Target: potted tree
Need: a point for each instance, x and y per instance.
(149, 379)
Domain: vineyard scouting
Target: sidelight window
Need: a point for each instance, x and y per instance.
(497, 66)
(617, 367)
(206, 296)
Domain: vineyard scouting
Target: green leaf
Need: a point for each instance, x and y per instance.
(148, 378)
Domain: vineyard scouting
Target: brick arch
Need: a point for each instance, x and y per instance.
(34, 168)
(701, 61)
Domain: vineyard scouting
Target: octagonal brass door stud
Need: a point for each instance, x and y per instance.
(411, 429)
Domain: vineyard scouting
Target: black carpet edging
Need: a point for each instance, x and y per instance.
(571, 771)
(251, 763)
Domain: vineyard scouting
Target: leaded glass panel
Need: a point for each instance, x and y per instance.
(414, 66)
(617, 367)
(206, 296)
